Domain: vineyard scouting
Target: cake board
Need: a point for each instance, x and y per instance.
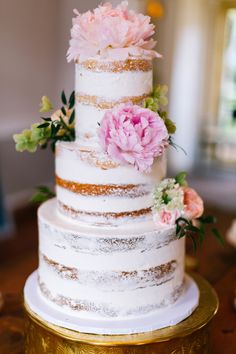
(189, 336)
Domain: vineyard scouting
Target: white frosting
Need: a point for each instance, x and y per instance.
(70, 167)
(87, 121)
(122, 302)
(108, 87)
(112, 86)
(103, 204)
(68, 245)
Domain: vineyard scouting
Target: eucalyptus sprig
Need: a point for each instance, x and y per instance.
(58, 127)
(196, 230)
(42, 194)
(156, 103)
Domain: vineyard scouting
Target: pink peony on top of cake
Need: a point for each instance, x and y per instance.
(133, 135)
(112, 33)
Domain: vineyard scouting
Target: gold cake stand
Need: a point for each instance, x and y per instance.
(191, 336)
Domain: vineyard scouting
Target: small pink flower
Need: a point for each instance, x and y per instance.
(133, 135)
(166, 217)
(115, 33)
(193, 204)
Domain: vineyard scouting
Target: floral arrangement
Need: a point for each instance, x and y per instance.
(134, 135)
(175, 203)
(115, 33)
(59, 126)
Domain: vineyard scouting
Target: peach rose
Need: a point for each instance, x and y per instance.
(193, 204)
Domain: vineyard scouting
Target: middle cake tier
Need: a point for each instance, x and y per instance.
(92, 189)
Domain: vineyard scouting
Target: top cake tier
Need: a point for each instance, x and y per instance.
(101, 85)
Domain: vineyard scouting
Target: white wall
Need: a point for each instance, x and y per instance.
(27, 60)
(27, 71)
(34, 39)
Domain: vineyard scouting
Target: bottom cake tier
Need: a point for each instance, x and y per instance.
(108, 272)
(189, 336)
(160, 318)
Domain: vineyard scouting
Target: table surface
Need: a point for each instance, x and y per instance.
(18, 258)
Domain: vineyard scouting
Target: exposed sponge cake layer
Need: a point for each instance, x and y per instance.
(101, 85)
(92, 190)
(99, 271)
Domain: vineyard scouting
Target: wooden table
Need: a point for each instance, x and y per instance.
(18, 258)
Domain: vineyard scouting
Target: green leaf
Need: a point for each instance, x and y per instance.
(53, 146)
(63, 98)
(197, 234)
(72, 100)
(40, 135)
(63, 111)
(72, 117)
(170, 126)
(209, 219)
(55, 130)
(166, 198)
(192, 228)
(47, 119)
(181, 179)
(43, 189)
(194, 242)
(43, 193)
(38, 198)
(44, 125)
(218, 236)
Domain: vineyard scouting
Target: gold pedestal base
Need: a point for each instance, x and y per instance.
(191, 336)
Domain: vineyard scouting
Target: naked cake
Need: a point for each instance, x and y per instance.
(111, 243)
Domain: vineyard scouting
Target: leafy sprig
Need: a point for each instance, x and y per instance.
(196, 230)
(181, 179)
(42, 195)
(58, 127)
(156, 103)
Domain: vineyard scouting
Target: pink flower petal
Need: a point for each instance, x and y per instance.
(115, 33)
(133, 135)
